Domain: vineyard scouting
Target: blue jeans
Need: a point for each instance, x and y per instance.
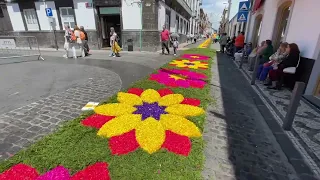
(262, 73)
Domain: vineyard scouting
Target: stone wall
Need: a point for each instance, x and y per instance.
(46, 38)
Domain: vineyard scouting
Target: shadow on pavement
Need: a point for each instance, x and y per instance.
(252, 149)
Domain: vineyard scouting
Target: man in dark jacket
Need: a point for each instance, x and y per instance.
(85, 42)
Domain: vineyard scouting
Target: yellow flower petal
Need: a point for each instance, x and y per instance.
(179, 125)
(130, 99)
(150, 96)
(150, 135)
(184, 110)
(115, 109)
(171, 99)
(120, 125)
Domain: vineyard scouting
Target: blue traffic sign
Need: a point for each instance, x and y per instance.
(244, 6)
(242, 16)
(49, 12)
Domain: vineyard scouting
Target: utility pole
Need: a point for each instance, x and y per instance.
(228, 15)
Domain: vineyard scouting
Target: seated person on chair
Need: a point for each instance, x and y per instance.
(247, 51)
(276, 75)
(266, 52)
(275, 59)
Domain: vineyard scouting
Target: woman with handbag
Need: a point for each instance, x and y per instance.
(115, 48)
(276, 74)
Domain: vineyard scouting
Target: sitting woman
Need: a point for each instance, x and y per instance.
(266, 52)
(291, 60)
(247, 51)
(275, 59)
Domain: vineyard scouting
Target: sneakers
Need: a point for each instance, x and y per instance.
(175, 54)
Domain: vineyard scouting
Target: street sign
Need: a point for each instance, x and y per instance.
(242, 16)
(244, 6)
(49, 12)
(243, 12)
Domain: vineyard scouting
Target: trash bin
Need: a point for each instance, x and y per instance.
(130, 44)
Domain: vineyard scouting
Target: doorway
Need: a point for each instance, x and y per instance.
(281, 24)
(256, 30)
(109, 17)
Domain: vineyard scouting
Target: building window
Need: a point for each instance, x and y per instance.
(67, 16)
(181, 26)
(1, 12)
(167, 23)
(177, 24)
(31, 19)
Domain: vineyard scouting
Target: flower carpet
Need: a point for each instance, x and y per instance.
(153, 130)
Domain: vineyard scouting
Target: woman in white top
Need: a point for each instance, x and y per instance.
(78, 42)
(67, 38)
(113, 36)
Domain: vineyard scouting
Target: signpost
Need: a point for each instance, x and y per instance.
(243, 11)
(49, 12)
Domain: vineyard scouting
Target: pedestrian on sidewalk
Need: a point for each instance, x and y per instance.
(77, 38)
(165, 37)
(67, 40)
(239, 42)
(115, 48)
(223, 42)
(175, 46)
(85, 41)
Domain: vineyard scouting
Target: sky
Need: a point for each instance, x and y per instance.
(214, 9)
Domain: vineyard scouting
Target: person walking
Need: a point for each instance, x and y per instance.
(79, 36)
(114, 44)
(165, 37)
(175, 46)
(67, 40)
(85, 41)
(239, 42)
(223, 42)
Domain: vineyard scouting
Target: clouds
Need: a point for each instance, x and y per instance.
(214, 9)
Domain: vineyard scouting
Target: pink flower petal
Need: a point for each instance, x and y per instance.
(97, 171)
(177, 144)
(58, 173)
(19, 171)
(96, 120)
(123, 144)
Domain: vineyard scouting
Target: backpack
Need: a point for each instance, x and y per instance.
(82, 36)
(73, 37)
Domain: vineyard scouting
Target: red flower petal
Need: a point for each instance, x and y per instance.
(164, 92)
(97, 171)
(96, 120)
(123, 144)
(136, 91)
(19, 171)
(177, 144)
(191, 101)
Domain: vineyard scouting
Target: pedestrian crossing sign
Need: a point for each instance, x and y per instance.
(244, 6)
(242, 17)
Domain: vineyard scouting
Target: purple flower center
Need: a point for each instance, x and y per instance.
(150, 110)
(189, 64)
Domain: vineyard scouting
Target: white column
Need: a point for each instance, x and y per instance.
(84, 15)
(15, 17)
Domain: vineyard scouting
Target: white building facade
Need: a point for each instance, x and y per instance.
(134, 20)
(292, 21)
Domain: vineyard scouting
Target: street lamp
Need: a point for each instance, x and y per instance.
(229, 9)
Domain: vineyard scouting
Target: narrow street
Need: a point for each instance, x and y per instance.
(240, 144)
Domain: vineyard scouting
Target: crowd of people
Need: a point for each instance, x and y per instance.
(271, 64)
(77, 38)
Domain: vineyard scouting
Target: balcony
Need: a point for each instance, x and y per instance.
(180, 6)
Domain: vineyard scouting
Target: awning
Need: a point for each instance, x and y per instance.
(257, 5)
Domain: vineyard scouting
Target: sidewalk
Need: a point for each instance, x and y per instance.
(305, 134)
(239, 143)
